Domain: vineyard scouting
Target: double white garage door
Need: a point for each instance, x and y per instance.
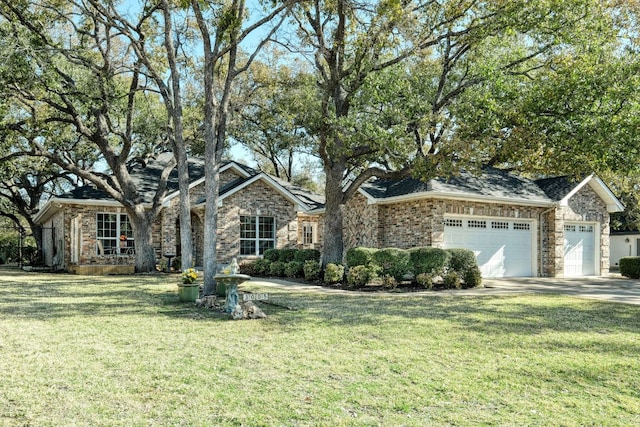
(507, 247)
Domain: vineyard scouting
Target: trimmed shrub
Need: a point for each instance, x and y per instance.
(472, 278)
(462, 260)
(452, 280)
(429, 260)
(464, 263)
(248, 267)
(277, 269)
(334, 273)
(271, 255)
(304, 255)
(294, 269)
(360, 275)
(389, 282)
(360, 256)
(425, 280)
(312, 270)
(286, 255)
(262, 267)
(630, 267)
(393, 262)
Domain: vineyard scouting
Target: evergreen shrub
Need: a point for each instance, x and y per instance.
(304, 255)
(294, 269)
(630, 267)
(277, 269)
(429, 260)
(334, 273)
(393, 262)
(312, 270)
(360, 256)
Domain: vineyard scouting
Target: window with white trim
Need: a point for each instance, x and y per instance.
(114, 235)
(308, 236)
(257, 234)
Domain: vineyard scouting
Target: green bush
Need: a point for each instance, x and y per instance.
(630, 267)
(312, 270)
(360, 256)
(248, 268)
(461, 260)
(425, 280)
(393, 262)
(262, 267)
(464, 263)
(304, 255)
(277, 269)
(286, 255)
(360, 275)
(429, 260)
(294, 269)
(452, 280)
(271, 255)
(472, 278)
(333, 273)
(389, 282)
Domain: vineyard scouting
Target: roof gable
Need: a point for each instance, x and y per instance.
(492, 185)
(561, 189)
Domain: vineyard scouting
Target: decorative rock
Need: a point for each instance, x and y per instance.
(210, 301)
(247, 310)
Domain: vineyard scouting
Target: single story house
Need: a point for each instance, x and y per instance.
(86, 231)
(516, 226)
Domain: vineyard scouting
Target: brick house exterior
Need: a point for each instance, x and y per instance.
(412, 214)
(71, 222)
(563, 226)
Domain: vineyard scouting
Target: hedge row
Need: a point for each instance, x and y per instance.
(456, 267)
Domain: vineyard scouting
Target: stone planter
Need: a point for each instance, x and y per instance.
(188, 292)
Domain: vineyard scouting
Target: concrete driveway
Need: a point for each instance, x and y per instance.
(612, 288)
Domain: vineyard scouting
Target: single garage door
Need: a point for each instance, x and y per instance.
(503, 248)
(579, 250)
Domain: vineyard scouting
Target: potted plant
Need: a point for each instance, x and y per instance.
(189, 290)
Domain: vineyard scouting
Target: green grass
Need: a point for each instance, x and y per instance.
(109, 351)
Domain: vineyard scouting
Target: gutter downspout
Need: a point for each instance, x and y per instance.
(541, 236)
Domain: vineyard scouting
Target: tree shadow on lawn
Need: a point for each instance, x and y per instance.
(42, 297)
(489, 314)
(32, 295)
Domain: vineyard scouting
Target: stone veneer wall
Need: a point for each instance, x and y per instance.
(586, 206)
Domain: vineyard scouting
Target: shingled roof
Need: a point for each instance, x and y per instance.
(491, 184)
(146, 179)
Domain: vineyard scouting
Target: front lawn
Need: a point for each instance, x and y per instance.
(108, 351)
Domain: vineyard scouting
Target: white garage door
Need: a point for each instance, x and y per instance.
(503, 248)
(579, 250)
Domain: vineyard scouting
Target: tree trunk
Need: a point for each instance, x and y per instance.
(186, 240)
(210, 260)
(145, 253)
(333, 221)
